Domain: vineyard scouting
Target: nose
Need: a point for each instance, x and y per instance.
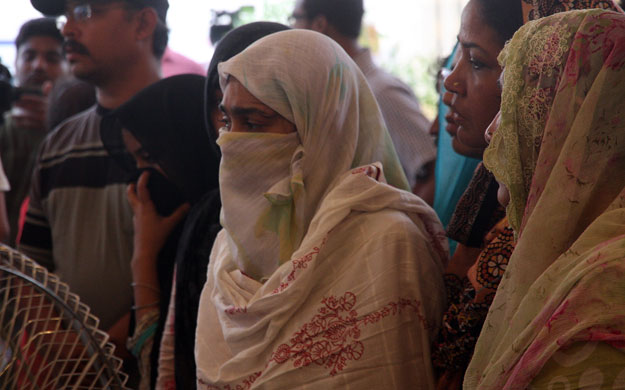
(453, 82)
(68, 28)
(492, 128)
(39, 62)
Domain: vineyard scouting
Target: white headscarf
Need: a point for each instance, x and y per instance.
(339, 126)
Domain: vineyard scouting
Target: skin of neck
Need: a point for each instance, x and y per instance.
(135, 77)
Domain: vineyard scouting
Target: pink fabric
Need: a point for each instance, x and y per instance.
(174, 63)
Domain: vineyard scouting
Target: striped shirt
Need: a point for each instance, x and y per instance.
(79, 222)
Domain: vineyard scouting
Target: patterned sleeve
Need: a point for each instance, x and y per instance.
(36, 240)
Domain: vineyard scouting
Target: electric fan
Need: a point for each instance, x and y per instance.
(48, 338)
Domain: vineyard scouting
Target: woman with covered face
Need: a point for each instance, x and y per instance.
(557, 319)
(324, 276)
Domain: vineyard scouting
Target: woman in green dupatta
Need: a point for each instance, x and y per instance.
(558, 318)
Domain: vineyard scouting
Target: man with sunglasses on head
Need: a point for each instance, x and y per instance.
(79, 222)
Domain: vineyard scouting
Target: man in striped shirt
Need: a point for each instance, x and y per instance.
(79, 223)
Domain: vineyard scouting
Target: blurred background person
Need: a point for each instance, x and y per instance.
(342, 21)
(68, 97)
(38, 64)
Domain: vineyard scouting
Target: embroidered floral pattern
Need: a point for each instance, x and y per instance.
(331, 338)
(493, 260)
(298, 264)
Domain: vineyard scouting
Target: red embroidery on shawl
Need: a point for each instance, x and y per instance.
(331, 338)
(359, 170)
(300, 263)
(561, 312)
(369, 170)
(436, 240)
(614, 337)
(247, 383)
(232, 310)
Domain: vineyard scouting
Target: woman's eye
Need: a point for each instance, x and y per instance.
(252, 126)
(476, 64)
(225, 122)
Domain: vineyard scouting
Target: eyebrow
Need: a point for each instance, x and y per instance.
(247, 111)
(470, 45)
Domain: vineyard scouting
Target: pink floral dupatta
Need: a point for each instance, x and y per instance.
(560, 150)
(535, 9)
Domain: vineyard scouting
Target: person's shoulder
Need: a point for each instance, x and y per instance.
(8, 128)
(384, 83)
(78, 129)
(382, 223)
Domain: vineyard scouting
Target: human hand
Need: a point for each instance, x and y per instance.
(29, 111)
(151, 229)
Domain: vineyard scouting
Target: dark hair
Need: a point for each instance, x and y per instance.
(160, 37)
(344, 15)
(38, 27)
(503, 16)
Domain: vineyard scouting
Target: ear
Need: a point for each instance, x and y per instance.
(319, 24)
(147, 20)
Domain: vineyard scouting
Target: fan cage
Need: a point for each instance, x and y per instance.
(48, 338)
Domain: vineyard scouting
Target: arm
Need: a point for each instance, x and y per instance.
(151, 232)
(30, 110)
(118, 334)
